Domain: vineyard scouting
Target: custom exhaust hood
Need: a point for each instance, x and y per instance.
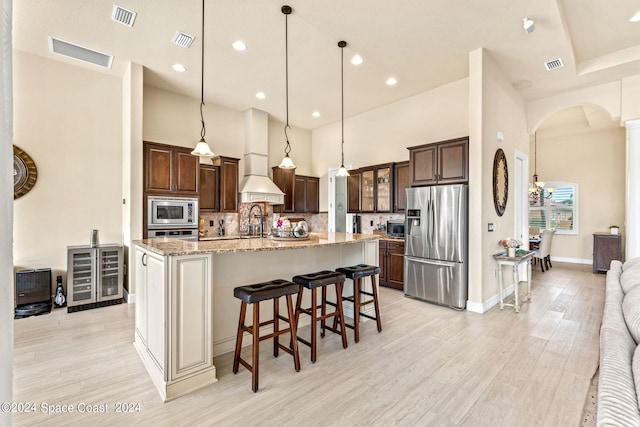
(256, 185)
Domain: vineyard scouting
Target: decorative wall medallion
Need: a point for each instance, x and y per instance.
(500, 182)
(25, 173)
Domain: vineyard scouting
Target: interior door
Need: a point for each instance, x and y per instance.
(521, 203)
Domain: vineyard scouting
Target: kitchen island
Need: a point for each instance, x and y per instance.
(185, 309)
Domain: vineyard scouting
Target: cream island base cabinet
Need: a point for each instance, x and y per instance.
(173, 321)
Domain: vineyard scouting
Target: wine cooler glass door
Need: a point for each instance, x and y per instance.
(110, 272)
(82, 268)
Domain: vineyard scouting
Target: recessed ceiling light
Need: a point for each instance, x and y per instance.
(636, 17)
(356, 60)
(239, 45)
(391, 81)
(179, 68)
(261, 95)
(316, 114)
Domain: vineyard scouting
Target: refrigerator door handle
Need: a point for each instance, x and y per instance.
(432, 262)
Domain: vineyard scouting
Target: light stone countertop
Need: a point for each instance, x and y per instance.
(170, 246)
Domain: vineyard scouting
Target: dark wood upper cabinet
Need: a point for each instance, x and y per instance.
(306, 194)
(284, 179)
(445, 162)
(313, 195)
(400, 184)
(170, 169)
(301, 193)
(370, 189)
(353, 191)
(209, 188)
(228, 173)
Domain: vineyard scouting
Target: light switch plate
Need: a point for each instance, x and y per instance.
(490, 227)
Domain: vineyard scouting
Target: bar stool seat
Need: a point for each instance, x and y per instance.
(357, 273)
(254, 294)
(313, 281)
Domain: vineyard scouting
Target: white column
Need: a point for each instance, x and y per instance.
(632, 220)
(6, 215)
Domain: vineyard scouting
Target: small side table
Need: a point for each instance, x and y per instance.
(514, 262)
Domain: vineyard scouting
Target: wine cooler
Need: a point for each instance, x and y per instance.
(94, 276)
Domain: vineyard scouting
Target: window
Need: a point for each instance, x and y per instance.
(560, 211)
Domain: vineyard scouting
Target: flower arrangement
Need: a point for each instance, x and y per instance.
(509, 243)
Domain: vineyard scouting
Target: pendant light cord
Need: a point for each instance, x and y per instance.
(203, 130)
(287, 148)
(342, 45)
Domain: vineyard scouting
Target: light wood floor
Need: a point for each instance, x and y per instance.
(429, 366)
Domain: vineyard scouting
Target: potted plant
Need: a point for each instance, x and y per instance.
(614, 229)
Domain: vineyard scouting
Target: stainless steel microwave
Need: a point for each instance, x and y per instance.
(395, 229)
(172, 212)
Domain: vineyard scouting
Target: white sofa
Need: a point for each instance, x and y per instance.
(619, 379)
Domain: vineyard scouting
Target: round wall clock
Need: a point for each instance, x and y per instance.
(25, 173)
(500, 182)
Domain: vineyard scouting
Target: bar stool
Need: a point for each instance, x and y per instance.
(357, 273)
(313, 281)
(253, 294)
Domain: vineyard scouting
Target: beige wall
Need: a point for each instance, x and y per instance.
(594, 160)
(174, 119)
(169, 118)
(69, 120)
(383, 135)
(502, 109)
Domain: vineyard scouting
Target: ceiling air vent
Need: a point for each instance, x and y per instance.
(123, 16)
(75, 51)
(182, 39)
(552, 65)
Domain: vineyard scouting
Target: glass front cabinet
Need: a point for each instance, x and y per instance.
(94, 276)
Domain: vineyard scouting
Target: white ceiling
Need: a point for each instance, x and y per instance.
(422, 43)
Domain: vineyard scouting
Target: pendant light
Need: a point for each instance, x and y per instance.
(538, 190)
(286, 162)
(202, 148)
(342, 44)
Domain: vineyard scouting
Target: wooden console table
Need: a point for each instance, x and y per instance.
(514, 262)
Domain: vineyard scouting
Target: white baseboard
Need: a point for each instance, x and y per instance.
(572, 260)
(129, 298)
(483, 307)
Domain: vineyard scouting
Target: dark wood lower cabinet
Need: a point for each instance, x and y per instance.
(391, 255)
(606, 248)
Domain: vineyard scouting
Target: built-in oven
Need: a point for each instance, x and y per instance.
(172, 212)
(395, 228)
(188, 234)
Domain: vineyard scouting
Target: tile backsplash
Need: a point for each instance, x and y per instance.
(236, 223)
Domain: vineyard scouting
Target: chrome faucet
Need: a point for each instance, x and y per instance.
(260, 216)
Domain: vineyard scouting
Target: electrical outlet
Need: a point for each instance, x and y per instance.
(211, 223)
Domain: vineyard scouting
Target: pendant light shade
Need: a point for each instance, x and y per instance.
(287, 162)
(202, 148)
(342, 171)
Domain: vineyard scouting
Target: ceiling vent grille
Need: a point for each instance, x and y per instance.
(123, 16)
(75, 51)
(552, 65)
(182, 39)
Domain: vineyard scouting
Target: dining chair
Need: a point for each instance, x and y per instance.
(543, 254)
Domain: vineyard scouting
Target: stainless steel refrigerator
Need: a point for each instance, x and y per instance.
(436, 244)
